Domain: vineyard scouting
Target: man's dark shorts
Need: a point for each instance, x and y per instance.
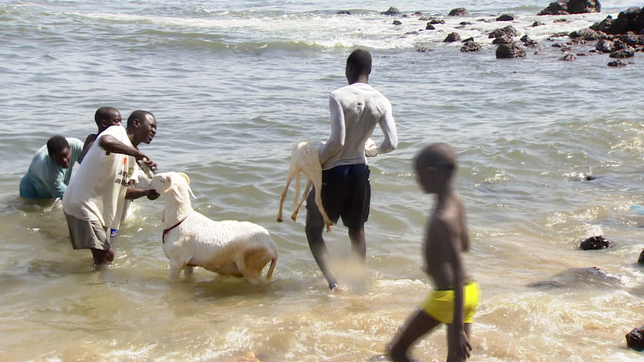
(346, 192)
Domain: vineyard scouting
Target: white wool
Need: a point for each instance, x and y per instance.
(305, 159)
(237, 248)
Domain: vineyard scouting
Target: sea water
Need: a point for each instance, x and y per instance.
(233, 85)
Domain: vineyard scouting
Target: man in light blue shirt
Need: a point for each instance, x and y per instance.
(51, 168)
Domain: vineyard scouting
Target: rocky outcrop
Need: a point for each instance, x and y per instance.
(507, 51)
(508, 30)
(623, 53)
(594, 242)
(452, 37)
(471, 46)
(565, 7)
(635, 339)
(631, 19)
(579, 278)
(641, 259)
(617, 64)
(458, 12)
(503, 39)
(397, 22)
(585, 34)
(529, 42)
(391, 11)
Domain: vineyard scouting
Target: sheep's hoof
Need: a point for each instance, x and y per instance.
(279, 219)
(294, 217)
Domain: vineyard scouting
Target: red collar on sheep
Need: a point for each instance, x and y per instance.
(165, 231)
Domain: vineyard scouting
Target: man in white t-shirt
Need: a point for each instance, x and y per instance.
(94, 199)
(356, 109)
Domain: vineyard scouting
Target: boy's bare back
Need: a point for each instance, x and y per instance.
(445, 240)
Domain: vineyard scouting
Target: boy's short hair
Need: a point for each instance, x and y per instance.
(56, 144)
(360, 59)
(439, 156)
(138, 114)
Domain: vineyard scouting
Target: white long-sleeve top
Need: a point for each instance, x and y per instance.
(355, 111)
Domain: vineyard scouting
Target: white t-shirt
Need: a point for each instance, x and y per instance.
(356, 109)
(97, 191)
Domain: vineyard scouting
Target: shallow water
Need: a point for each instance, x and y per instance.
(233, 87)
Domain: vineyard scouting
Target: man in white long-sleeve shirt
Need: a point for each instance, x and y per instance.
(346, 192)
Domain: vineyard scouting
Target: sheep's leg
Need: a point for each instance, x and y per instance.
(187, 271)
(317, 183)
(175, 269)
(254, 261)
(307, 189)
(283, 196)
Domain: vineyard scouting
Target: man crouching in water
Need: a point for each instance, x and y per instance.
(455, 299)
(93, 202)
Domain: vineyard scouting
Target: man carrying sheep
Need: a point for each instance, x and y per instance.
(346, 191)
(94, 199)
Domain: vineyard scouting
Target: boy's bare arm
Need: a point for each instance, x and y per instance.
(465, 236)
(112, 145)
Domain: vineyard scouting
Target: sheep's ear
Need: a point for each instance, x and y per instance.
(169, 186)
(185, 176)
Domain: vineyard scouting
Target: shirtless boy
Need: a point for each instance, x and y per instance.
(104, 117)
(455, 299)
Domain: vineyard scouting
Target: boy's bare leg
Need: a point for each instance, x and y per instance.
(314, 227)
(457, 356)
(417, 326)
(358, 242)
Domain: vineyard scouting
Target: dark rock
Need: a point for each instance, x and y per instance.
(411, 33)
(632, 39)
(605, 46)
(424, 18)
(560, 34)
(579, 277)
(437, 21)
(505, 17)
(564, 7)
(509, 30)
(418, 13)
(471, 46)
(559, 21)
(430, 27)
(623, 53)
(391, 11)
(537, 23)
(528, 42)
(587, 177)
(423, 49)
(617, 64)
(585, 34)
(507, 51)
(452, 37)
(463, 23)
(641, 259)
(635, 339)
(594, 242)
(468, 39)
(503, 39)
(459, 12)
(397, 22)
(343, 12)
(568, 57)
(631, 19)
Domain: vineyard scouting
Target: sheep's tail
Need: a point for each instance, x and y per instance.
(271, 269)
(297, 189)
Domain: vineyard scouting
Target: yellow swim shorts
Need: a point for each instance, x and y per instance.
(440, 304)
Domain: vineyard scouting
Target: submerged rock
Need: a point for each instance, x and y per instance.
(564, 7)
(391, 11)
(452, 37)
(529, 42)
(585, 34)
(578, 277)
(623, 53)
(505, 17)
(507, 51)
(508, 30)
(595, 243)
(459, 12)
(397, 22)
(471, 46)
(641, 259)
(569, 58)
(617, 64)
(635, 339)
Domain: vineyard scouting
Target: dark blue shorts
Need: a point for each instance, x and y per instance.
(346, 192)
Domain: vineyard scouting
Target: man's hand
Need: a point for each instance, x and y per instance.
(459, 346)
(152, 194)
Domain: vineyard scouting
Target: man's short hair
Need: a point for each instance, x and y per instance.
(104, 113)
(56, 144)
(360, 59)
(138, 114)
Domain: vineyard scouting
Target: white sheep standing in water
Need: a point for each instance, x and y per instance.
(305, 159)
(236, 248)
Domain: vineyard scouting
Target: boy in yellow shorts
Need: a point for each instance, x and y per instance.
(456, 297)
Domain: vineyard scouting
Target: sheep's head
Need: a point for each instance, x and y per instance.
(173, 184)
